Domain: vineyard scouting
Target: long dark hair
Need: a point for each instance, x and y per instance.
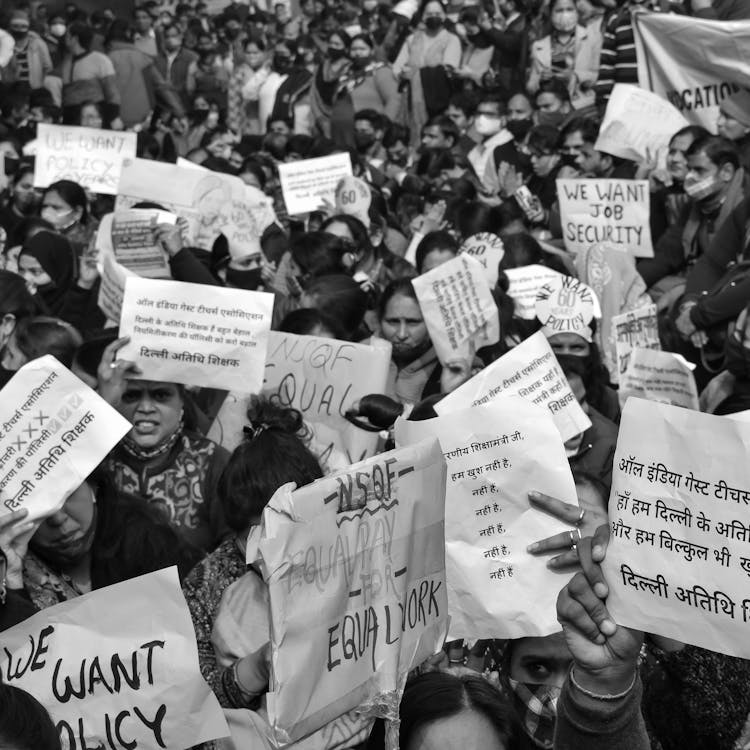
(24, 722)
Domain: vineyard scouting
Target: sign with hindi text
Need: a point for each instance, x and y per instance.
(636, 328)
(496, 589)
(525, 283)
(308, 184)
(196, 334)
(54, 431)
(659, 376)
(678, 560)
(117, 668)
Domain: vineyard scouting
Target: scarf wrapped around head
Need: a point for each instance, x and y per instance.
(55, 255)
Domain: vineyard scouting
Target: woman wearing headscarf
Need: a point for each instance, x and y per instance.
(47, 264)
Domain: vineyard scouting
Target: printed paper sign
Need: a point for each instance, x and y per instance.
(54, 431)
(496, 589)
(310, 183)
(458, 308)
(112, 287)
(321, 378)
(678, 561)
(637, 328)
(693, 63)
(117, 668)
(353, 197)
(133, 241)
(638, 124)
(531, 371)
(196, 334)
(658, 376)
(93, 158)
(525, 282)
(488, 249)
(212, 203)
(357, 588)
(614, 212)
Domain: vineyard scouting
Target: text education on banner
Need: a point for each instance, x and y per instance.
(54, 431)
(117, 668)
(357, 588)
(670, 65)
(531, 371)
(609, 211)
(678, 560)
(321, 378)
(195, 334)
(496, 589)
(93, 158)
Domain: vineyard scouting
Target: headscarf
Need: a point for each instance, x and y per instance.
(55, 255)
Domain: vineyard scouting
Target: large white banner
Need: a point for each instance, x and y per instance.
(693, 63)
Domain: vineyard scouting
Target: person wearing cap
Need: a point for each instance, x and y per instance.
(30, 61)
(734, 123)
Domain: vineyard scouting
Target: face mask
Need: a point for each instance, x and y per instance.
(59, 219)
(565, 22)
(363, 141)
(536, 708)
(433, 23)
(19, 35)
(336, 54)
(58, 30)
(551, 118)
(519, 128)
(480, 40)
(699, 190)
(360, 63)
(281, 64)
(250, 279)
(487, 124)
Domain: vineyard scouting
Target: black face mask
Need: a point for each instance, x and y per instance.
(231, 34)
(363, 141)
(519, 128)
(19, 36)
(737, 357)
(249, 280)
(433, 24)
(336, 54)
(360, 63)
(480, 40)
(281, 64)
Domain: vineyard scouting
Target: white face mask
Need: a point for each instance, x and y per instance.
(565, 21)
(57, 30)
(488, 124)
(700, 189)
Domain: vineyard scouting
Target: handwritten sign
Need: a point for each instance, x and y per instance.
(566, 305)
(638, 124)
(659, 376)
(117, 668)
(196, 334)
(353, 197)
(357, 588)
(530, 371)
(211, 202)
(54, 431)
(678, 561)
(495, 588)
(93, 158)
(525, 282)
(615, 212)
(133, 241)
(321, 378)
(637, 328)
(458, 308)
(308, 184)
(488, 249)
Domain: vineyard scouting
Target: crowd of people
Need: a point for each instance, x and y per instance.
(460, 119)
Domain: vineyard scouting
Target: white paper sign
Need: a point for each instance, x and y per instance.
(495, 453)
(658, 376)
(525, 282)
(488, 249)
(92, 158)
(614, 212)
(117, 668)
(458, 308)
(638, 124)
(531, 371)
(353, 197)
(212, 203)
(308, 184)
(112, 287)
(133, 241)
(54, 431)
(678, 560)
(321, 378)
(196, 334)
(637, 328)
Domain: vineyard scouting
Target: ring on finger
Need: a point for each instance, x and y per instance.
(579, 520)
(575, 537)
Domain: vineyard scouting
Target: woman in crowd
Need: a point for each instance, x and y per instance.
(272, 453)
(326, 81)
(23, 199)
(244, 87)
(415, 370)
(33, 337)
(66, 207)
